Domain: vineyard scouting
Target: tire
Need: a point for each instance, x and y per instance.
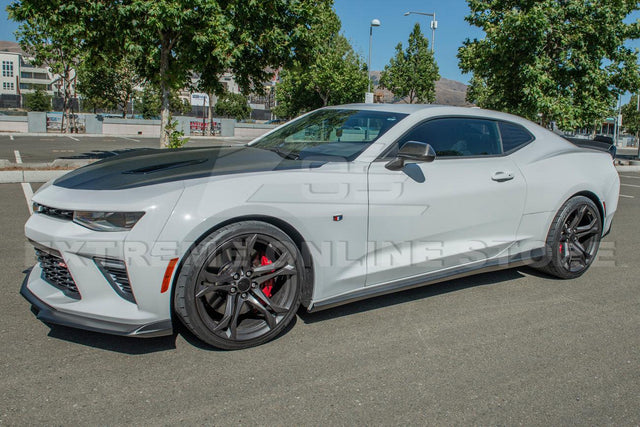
(573, 240)
(240, 287)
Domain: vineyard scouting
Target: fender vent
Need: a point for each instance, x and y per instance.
(115, 271)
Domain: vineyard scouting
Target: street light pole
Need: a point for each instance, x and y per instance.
(374, 23)
(433, 25)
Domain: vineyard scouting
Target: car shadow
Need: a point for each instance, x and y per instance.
(414, 294)
(140, 346)
(118, 344)
(100, 154)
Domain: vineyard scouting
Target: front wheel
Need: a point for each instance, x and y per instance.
(240, 286)
(573, 239)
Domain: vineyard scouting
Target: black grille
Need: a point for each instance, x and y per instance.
(116, 273)
(54, 212)
(56, 273)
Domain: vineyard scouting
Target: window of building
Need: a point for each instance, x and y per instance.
(8, 86)
(7, 68)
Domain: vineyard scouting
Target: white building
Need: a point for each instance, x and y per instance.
(18, 74)
(9, 79)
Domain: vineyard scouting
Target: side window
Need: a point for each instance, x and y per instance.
(456, 137)
(513, 136)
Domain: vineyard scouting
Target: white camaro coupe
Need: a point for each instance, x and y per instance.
(341, 204)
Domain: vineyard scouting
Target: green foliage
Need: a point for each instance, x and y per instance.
(54, 33)
(174, 136)
(631, 115)
(170, 39)
(336, 76)
(38, 101)
(551, 60)
(233, 105)
(107, 84)
(412, 72)
(149, 103)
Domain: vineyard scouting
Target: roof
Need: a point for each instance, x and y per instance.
(391, 108)
(10, 47)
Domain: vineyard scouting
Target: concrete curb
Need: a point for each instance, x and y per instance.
(17, 177)
(632, 168)
(127, 136)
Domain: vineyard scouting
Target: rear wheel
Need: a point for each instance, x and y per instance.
(574, 238)
(240, 286)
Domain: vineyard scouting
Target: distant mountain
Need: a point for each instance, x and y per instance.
(451, 92)
(448, 92)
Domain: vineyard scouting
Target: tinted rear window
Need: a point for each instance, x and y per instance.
(513, 136)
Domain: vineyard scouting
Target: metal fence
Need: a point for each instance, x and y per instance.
(198, 127)
(55, 119)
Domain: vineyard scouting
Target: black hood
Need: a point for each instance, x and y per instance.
(155, 166)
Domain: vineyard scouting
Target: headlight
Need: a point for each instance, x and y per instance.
(107, 221)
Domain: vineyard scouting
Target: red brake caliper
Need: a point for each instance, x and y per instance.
(267, 286)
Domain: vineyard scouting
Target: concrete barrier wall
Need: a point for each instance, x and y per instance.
(252, 130)
(17, 124)
(112, 126)
(116, 126)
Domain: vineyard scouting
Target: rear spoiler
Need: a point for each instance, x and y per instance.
(593, 145)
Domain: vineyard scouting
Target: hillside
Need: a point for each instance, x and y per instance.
(448, 92)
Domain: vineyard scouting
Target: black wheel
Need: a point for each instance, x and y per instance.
(240, 286)
(574, 238)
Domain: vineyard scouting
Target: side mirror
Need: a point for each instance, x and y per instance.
(414, 151)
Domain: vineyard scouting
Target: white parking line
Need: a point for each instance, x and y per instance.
(130, 139)
(75, 139)
(18, 156)
(628, 197)
(631, 185)
(28, 194)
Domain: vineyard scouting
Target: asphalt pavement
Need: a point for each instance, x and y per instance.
(46, 148)
(506, 348)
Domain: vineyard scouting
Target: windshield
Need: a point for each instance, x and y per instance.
(331, 134)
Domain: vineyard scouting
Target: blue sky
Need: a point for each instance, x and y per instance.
(452, 29)
(357, 14)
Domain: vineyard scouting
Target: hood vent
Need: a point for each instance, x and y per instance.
(165, 166)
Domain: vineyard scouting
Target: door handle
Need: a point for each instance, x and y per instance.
(502, 176)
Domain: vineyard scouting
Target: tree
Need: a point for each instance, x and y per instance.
(413, 72)
(170, 39)
(107, 84)
(38, 100)
(551, 60)
(336, 76)
(53, 32)
(631, 116)
(233, 105)
(149, 103)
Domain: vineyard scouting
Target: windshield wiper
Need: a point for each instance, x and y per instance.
(290, 155)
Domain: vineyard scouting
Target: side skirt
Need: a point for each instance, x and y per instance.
(496, 264)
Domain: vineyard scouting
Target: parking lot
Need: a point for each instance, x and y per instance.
(512, 347)
(46, 148)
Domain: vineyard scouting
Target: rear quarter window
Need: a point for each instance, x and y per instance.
(513, 136)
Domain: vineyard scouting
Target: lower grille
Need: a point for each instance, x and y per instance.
(56, 273)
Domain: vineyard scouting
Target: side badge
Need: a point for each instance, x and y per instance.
(337, 217)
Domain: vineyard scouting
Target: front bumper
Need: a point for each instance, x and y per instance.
(49, 314)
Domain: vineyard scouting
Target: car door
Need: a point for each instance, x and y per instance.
(463, 209)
